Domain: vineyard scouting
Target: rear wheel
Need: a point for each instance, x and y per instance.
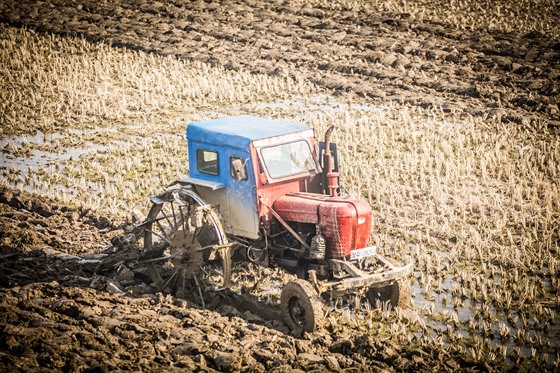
(301, 306)
(185, 249)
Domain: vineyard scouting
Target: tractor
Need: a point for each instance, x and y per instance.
(263, 191)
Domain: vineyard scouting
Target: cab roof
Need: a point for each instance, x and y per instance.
(239, 131)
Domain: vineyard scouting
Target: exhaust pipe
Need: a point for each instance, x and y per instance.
(330, 178)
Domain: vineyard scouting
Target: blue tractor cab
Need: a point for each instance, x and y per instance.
(222, 164)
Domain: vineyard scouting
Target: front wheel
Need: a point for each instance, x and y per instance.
(301, 306)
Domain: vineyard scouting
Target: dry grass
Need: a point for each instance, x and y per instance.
(50, 83)
(474, 202)
(83, 97)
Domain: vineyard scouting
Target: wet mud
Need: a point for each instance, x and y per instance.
(61, 310)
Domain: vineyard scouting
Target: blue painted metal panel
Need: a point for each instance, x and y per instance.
(237, 198)
(239, 131)
(242, 197)
(214, 185)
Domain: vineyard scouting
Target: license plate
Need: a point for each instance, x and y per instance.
(363, 253)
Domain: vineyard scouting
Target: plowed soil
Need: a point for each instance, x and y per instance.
(385, 57)
(57, 313)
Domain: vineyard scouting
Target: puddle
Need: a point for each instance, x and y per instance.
(24, 160)
(36, 159)
(442, 297)
(470, 319)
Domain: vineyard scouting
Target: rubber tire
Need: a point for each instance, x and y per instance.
(396, 295)
(301, 297)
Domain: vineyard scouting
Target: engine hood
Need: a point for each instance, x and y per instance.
(304, 207)
(344, 221)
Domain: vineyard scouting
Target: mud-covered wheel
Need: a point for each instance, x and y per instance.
(184, 246)
(301, 306)
(390, 296)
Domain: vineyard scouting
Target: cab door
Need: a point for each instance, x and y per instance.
(242, 219)
(224, 177)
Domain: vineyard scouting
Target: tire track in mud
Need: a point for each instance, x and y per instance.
(382, 57)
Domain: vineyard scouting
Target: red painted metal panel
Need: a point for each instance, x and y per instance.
(363, 228)
(345, 221)
(269, 190)
(300, 207)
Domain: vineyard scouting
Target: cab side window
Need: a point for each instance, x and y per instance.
(237, 168)
(207, 161)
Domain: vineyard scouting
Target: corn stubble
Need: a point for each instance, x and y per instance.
(475, 203)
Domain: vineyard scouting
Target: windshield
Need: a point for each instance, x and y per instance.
(288, 159)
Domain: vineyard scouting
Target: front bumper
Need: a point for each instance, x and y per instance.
(358, 279)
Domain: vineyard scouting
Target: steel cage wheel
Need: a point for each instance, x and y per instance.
(301, 306)
(184, 245)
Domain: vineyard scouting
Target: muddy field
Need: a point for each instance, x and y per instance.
(58, 312)
(62, 311)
